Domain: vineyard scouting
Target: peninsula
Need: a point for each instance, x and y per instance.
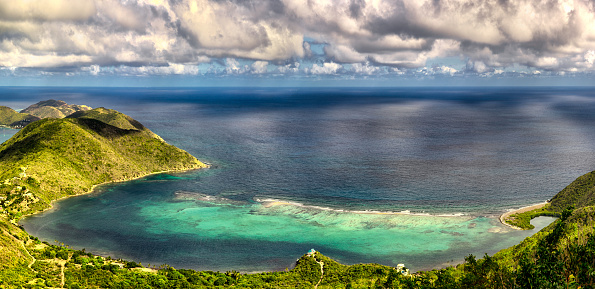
(52, 158)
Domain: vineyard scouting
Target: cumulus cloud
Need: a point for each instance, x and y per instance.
(362, 37)
(259, 67)
(365, 68)
(233, 66)
(326, 68)
(57, 10)
(289, 68)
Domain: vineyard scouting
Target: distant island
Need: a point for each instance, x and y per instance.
(43, 109)
(66, 150)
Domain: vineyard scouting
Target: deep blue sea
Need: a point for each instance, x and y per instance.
(327, 168)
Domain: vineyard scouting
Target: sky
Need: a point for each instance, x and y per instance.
(296, 42)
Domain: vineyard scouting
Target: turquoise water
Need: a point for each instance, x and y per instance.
(6, 133)
(150, 221)
(462, 155)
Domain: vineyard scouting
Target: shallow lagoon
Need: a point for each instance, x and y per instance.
(468, 153)
(152, 222)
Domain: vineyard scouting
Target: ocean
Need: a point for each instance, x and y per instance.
(329, 169)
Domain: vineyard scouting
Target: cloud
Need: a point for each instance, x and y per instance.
(54, 10)
(259, 67)
(365, 68)
(232, 66)
(289, 68)
(228, 29)
(326, 68)
(169, 69)
(357, 37)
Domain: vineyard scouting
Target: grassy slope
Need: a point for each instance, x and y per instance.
(111, 117)
(62, 157)
(14, 259)
(53, 109)
(47, 112)
(8, 115)
(580, 193)
(11, 118)
(69, 156)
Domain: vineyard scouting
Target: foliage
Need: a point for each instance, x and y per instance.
(53, 109)
(53, 158)
(580, 193)
(11, 118)
(523, 220)
(110, 117)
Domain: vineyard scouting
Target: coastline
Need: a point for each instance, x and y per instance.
(505, 215)
(92, 189)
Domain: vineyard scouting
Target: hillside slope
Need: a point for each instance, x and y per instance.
(53, 109)
(10, 118)
(53, 158)
(580, 193)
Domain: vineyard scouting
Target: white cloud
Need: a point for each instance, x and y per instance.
(326, 68)
(224, 28)
(362, 37)
(47, 10)
(289, 68)
(259, 67)
(232, 66)
(590, 57)
(94, 69)
(170, 69)
(547, 62)
(364, 68)
(445, 70)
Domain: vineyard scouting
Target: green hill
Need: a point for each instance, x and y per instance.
(53, 158)
(580, 193)
(9, 117)
(111, 117)
(43, 109)
(53, 109)
(61, 157)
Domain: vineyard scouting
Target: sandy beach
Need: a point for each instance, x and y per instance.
(517, 211)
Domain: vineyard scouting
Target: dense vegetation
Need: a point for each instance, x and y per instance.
(560, 256)
(43, 109)
(523, 220)
(10, 118)
(53, 109)
(52, 158)
(580, 193)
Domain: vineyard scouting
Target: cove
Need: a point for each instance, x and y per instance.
(156, 220)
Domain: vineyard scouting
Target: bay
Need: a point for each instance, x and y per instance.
(295, 169)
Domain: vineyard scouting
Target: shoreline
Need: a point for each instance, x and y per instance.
(92, 189)
(505, 215)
